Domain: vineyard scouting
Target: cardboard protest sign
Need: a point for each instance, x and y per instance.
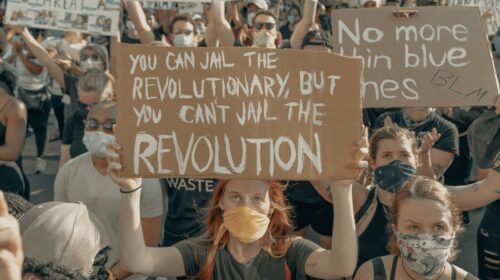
(158, 5)
(485, 6)
(439, 57)
(190, 8)
(237, 112)
(90, 16)
(180, 1)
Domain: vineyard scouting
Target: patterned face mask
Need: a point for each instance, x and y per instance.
(425, 254)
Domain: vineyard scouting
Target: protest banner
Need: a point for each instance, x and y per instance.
(438, 57)
(90, 16)
(485, 6)
(190, 8)
(158, 5)
(237, 112)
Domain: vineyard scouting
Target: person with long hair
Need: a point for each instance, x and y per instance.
(394, 158)
(13, 120)
(425, 223)
(247, 237)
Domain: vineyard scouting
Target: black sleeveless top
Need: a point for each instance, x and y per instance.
(3, 128)
(379, 270)
(373, 241)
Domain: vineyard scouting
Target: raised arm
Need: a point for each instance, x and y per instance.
(302, 27)
(479, 194)
(219, 31)
(32, 67)
(42, 55)
(136, 14)
(134, 255)
(341, 260)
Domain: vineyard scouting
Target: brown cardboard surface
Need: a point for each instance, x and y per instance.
(454, 68)
(169, 126)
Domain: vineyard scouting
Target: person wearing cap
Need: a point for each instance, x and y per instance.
(369, 3)
(63, 241)
(85, 179)
(252, 7)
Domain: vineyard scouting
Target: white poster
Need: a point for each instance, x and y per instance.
(89, 16)
(491, 6)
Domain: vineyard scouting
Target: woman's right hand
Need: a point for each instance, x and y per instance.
(114, 167)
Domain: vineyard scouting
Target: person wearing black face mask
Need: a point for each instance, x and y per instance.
(426, 123)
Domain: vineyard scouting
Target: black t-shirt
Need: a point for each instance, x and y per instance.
(158, 32)
(74, 129)
(127, 40)
(70, 84)
(187, 205)
(286, 33)
(303, 191)
(449, 133)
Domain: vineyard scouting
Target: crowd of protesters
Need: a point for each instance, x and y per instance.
(420, 169)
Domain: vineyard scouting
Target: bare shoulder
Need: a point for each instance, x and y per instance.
(365, 271)
(359, 195)
(15, 107)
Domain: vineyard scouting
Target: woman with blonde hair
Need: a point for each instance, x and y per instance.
(425, 222)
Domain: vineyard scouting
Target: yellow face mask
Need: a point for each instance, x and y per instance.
(245, 224)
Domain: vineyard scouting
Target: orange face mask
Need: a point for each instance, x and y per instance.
(245, 224)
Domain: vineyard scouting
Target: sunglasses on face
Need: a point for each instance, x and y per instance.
(179, 31)
(86, 106)
(266, 25)
(85, 57)
(93, 125)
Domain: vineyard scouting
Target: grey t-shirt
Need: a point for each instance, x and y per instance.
(263, 267)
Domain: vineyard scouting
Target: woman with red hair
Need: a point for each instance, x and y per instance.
(248, 234)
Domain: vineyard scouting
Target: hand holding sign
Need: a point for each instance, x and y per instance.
(114, 167)
(11, 252)
(358, 162)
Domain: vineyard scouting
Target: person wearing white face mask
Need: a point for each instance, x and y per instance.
(293, 17)
(182, 32)
(85, 179)
(91, 56)
(264, 32)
